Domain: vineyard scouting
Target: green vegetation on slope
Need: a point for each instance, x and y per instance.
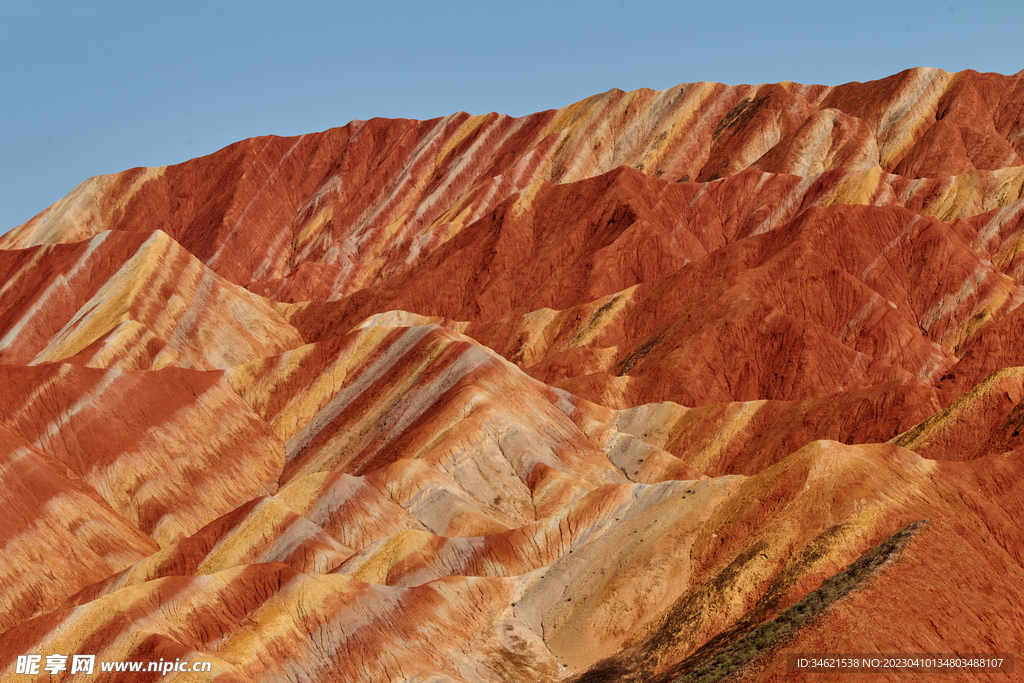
(708, 668)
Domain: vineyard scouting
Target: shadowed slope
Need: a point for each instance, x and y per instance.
(835, 299)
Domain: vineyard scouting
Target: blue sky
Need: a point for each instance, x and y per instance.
(97, 87)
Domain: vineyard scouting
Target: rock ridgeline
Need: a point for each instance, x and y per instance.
(601, 393)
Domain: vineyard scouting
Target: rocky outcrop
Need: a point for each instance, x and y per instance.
(594, 394)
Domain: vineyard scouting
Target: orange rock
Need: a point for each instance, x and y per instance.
(584, 395)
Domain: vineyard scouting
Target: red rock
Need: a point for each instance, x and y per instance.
(55, 517)
(131, 436)
(581, 395)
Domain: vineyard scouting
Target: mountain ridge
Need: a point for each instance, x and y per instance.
(561, 397)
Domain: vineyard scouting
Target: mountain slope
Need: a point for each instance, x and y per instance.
(587, 395)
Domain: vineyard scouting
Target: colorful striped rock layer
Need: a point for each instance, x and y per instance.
(660, 386)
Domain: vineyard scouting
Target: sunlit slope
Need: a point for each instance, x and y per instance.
(655, 385)
(349, 206)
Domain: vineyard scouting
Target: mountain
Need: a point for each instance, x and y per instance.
(657, 386)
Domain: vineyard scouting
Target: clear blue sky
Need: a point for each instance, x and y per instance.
(91, 87)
